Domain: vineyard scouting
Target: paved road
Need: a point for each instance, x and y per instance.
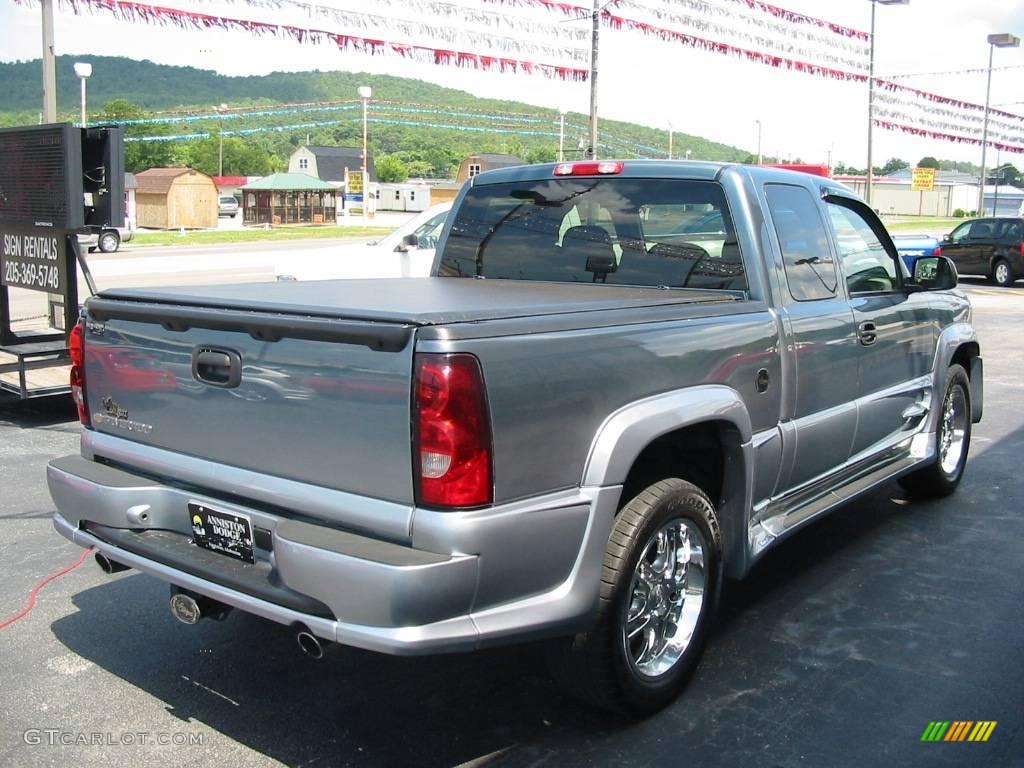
(837, 651)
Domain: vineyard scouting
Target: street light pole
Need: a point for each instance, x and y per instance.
(365, 92)
(871, 91)
(758, 141)
(220, 135)
(561, 134)
(596, 25)
(670, 140)
(1004, 40)
(49, 66)
(83, 70)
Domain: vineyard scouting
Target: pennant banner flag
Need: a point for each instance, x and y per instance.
(551, 38)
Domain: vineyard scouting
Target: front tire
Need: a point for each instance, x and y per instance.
(659, 593)
(952, 441)
(1002, 273)
(109, 241)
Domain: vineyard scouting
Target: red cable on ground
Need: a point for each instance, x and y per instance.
(32, 596)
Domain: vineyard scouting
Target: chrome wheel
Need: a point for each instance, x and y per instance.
(109, 241)
(1002, 273)
(665, 598)
(952, 430)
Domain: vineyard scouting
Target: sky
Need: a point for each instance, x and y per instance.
(640, 79)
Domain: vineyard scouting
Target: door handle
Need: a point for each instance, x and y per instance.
(867, 333)
(217, 367)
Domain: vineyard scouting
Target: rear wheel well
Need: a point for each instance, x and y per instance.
(964, 354)
(695, 453)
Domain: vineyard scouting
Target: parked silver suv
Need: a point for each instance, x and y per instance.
(228, 206)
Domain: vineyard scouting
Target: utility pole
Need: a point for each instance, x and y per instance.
(49, 66)
(596, 19)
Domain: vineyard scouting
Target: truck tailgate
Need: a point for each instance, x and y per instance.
(318, 400)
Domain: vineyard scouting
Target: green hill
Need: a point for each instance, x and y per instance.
(428, 128)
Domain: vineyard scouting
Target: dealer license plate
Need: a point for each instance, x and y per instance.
(228, 533)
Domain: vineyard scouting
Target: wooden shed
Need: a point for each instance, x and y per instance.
(172, 198)
(475, 164)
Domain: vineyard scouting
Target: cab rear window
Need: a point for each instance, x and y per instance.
(664, 233)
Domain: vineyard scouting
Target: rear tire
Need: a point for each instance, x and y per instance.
(109, 241)
(660, 584)
(952, 441)
(1002, 273)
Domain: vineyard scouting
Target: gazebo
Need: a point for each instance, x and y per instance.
(289, 198)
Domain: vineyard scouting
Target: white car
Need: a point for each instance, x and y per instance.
(406, 252)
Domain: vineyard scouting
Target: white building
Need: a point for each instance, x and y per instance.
(408, 196)
(893, 195)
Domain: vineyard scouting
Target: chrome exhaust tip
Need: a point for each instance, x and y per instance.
(185, 608)
(188, 607)
(109, 566)
(312, 645)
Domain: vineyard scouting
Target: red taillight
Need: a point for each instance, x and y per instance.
(592, 168)
(76, 349)
(453, 432)
(938, 251)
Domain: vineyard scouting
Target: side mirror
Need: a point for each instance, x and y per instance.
(934, 273)
(409, 242)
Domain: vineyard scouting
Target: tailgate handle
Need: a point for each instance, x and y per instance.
(217, 367)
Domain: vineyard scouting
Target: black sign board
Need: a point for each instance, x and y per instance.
(34, 259)
(103, 175)
(41, 177)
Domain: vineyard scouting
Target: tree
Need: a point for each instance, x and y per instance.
(391, 169)
(928, 162)
(1005, 174)
(894, 164)
(541, 155)
(138, 153)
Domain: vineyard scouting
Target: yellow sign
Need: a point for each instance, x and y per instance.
(922, 179)
(355, 183)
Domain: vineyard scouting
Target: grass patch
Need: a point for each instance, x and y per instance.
(216, 236)
(929, 224)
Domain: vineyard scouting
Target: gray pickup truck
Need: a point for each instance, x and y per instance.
(625, 382)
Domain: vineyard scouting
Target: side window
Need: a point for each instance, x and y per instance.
(1013, 232)
(868, 266)
(810, 268)
(961, 232)
(428, 231)
(982, 229)
(474, 169)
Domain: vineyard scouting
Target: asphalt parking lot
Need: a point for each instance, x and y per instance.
(838, 650)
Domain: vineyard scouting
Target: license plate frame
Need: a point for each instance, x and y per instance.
(224, 532)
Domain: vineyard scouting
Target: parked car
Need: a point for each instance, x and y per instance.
(106, 239)
(991, 247)
(228, 206)
(572, 431)
(406, 252)
(911, 247)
